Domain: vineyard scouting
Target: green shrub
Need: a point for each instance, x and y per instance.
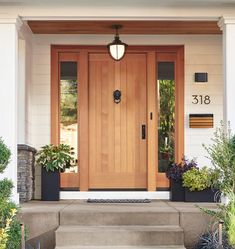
(5, 208)
(53, 157)
(197, 179)
(222, 155)
(5, 230)
(14, 232)
(6, 188)
(14, 239)
(5, 155)
(10, 229)
(231, 220)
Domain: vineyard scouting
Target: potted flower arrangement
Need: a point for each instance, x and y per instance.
(198, 185)
(53, 159)
(175, 175)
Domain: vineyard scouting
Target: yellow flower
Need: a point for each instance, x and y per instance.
(4, 231)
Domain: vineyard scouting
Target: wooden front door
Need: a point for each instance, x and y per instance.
(112, 151)
(117, 131)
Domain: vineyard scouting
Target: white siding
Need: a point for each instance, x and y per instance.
(203, 53)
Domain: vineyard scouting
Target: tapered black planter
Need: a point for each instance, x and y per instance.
(177, 192)
(50, 185)
(206, 195)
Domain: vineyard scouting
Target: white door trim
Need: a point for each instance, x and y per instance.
(68, 195)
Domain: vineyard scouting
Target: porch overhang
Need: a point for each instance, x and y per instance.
(133, 27)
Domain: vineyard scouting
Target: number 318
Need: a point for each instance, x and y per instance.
(200, 99)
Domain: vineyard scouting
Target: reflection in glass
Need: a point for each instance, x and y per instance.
(166, 115)
(68, 108)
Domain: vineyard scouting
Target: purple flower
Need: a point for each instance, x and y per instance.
(176, 171)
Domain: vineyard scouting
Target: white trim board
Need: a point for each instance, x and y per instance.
(73, 195)
(124, 18)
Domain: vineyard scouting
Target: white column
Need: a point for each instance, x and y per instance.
(21, 132)
(227, 25)
(8, 93)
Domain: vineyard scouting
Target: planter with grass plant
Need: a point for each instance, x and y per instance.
(198, 185)
(174, 174)
(53, 160)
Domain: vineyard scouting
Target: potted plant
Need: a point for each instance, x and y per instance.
(197, 183)
(175, 174)
(53, 159)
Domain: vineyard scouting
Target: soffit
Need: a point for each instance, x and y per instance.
(129, 27)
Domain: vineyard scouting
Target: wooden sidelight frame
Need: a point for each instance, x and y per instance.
(178, 58)
(154, 179)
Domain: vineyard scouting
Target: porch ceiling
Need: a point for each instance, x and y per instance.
(129, 27)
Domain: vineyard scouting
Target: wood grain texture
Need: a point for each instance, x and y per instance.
(117, 152)
(201, 122)
(69, 180)
(152, 121)
(176, 56)
(129, 27)
(83, 134)
(119, 121)
(54, 96)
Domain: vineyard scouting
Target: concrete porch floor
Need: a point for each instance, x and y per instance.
(43, 218)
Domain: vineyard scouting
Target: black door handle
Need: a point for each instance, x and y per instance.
(143, 131)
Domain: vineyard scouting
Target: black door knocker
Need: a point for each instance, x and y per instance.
(117, 96)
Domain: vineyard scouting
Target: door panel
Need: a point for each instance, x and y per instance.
(116, 148)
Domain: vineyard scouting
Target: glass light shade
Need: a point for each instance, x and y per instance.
(117, 49)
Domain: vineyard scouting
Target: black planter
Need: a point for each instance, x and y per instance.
(206, 195)
(50, 185)
(177, 192)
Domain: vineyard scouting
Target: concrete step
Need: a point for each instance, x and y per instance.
(119, 236)
(120, 247)
(119, 218)
(114, 215)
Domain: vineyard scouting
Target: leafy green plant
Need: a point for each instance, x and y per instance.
(222, 155)
(54, 157)
(231, 220)
(210, 240)
(6, 188)
(68, 102)
(166, 123)
(227, 215)
(5, 231)
(9, 225)
(14, 239)
(176, 171)
(197, 179)
(5, 155)
(10, 230)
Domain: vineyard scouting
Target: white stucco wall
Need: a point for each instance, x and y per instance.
(203, 53)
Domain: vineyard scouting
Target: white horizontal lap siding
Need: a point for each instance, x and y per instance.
(204, 58)
(203, 53)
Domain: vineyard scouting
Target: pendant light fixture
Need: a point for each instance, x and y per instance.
(117, 48)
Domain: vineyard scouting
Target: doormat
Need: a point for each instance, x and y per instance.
(118, 201)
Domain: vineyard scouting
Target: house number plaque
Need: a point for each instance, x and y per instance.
(201, 99)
